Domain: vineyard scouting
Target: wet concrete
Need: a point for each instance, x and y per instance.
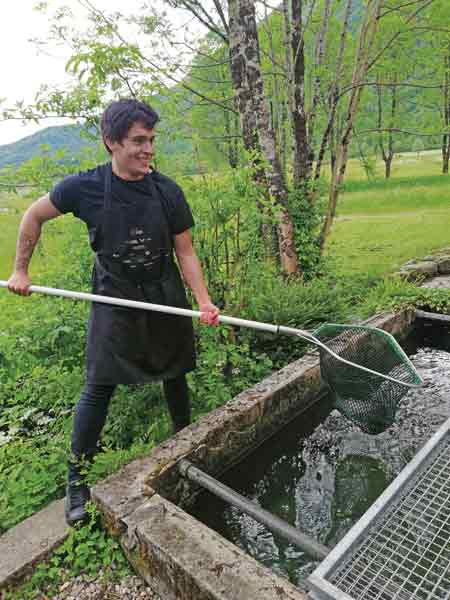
(322, 473)
(219, 440)
(30, 542)
(441, 282)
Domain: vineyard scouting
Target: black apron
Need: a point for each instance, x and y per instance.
(127, 345)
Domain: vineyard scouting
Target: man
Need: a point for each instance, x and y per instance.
(136, 218)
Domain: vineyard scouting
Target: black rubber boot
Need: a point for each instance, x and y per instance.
(77, 496)
(77, 490)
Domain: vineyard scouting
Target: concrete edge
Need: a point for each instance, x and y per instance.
(122, 494)
(43, 532)
(186, 559)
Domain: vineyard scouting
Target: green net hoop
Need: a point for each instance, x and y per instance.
(368, 400)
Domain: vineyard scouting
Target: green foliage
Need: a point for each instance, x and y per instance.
(227, 234)
(307, 218)
(368, 160)
(86, 552)
(294, 303)
(33, 474)
(41, 343)
(42, 339)
(42, 355)
(226, 365)
(396, 294)
(212, 127)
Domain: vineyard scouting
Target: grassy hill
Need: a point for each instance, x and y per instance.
(68, 137)
(73, 139)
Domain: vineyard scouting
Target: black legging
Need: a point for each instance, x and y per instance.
(92, 408)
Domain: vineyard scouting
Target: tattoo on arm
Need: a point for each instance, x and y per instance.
(29, 235)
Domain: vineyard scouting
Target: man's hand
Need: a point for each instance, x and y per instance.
(19, 283)
(210, 313)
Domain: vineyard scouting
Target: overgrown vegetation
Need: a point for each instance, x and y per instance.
(42, 339)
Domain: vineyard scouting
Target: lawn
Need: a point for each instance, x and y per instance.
(381, 224)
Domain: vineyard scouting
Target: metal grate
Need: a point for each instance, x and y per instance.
(400, 549)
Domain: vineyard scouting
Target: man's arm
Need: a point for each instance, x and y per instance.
(29, 233)
(192, 273)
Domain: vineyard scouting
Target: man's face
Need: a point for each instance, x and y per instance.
(134, 153)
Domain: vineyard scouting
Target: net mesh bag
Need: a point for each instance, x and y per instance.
(367, 399)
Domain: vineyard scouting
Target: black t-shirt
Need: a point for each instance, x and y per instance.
(82, 195)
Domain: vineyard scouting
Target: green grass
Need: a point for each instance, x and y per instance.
(405, 165)
(397, 196)
(378, 245)
(46, 254)
(382, 224)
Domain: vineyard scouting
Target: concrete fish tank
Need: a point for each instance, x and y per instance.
(283, 447)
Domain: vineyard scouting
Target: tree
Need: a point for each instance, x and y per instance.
(367, 55)
(300, 81)
(251, 101)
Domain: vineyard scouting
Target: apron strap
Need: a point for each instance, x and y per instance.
(107, 196)
(156, 192)
(113, 226)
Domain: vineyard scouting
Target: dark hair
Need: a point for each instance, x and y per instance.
(120, 116)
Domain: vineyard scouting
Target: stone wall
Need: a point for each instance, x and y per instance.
(421, 269)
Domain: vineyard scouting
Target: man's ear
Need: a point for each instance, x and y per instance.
(108, 144)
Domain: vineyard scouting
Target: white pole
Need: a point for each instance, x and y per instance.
(306, 335)
(148, 306)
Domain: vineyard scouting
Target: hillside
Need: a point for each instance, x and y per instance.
(66, 137)
(72, 139)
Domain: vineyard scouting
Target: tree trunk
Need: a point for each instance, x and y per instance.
(387, 168)
(333, 98)
(445, 153)
(275, 102)
(284, 140)
(391, 127)
(302, 162)
(249, 90)
(287, 32)
(446, 102)
(387, 154)
(230, 141)
(320, 52)
(366, 42)
(445, 161)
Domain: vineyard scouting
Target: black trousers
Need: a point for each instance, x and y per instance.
(92, 409)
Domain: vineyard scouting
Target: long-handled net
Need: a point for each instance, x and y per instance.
(368, 399)
(367, 371)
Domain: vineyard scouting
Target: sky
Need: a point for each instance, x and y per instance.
(23, 67)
